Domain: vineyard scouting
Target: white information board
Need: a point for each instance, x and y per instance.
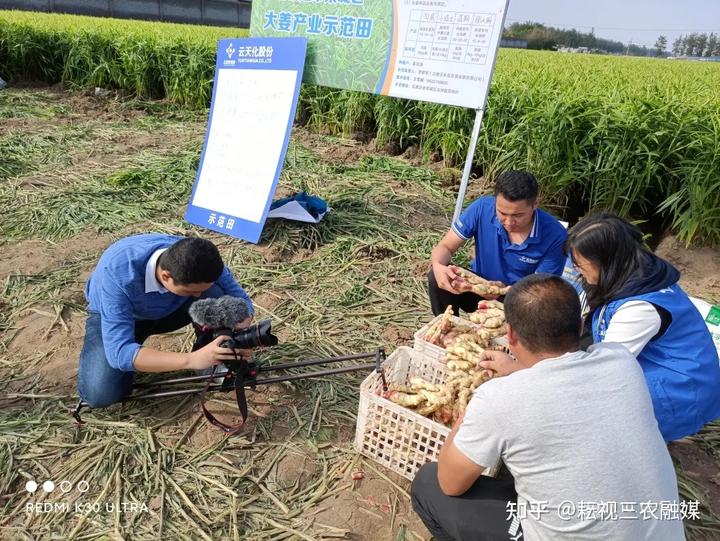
(257, 82)
(444, 51)
(245, 140)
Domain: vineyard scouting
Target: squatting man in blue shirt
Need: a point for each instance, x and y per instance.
(145, 285)
(513, 239)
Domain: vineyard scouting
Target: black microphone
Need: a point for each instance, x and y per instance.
(219, 317)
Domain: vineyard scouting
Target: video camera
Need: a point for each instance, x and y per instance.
(248, 338)
(219, 317)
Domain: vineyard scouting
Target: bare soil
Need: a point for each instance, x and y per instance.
(36, 256)
(368, 510)
(701, 467)
(699, 268)
(332, 150)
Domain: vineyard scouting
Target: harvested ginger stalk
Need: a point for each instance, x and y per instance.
(406, 400)
(445, 402)
(467, 281)
(490, 305)
(447, 332)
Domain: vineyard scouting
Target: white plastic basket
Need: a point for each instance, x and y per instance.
(439, 354)
(394, 436)
(431, 350)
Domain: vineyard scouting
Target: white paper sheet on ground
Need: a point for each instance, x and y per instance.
(295, 211)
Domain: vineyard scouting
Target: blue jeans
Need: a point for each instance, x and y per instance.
(101, 385)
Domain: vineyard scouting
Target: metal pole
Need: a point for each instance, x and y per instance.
(265, 381)
(263, 368)
(168, 394)
(478, 123)
(468, 163)
(310, 362)
(187, 379)
(316, 374)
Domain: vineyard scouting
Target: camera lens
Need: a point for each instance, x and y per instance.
(230, 343)
(255, 335)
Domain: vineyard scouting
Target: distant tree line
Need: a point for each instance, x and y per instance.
(540, 36)
(697, 45)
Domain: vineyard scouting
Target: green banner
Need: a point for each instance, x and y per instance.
(713, 317)
(347, 40)
(441, 51)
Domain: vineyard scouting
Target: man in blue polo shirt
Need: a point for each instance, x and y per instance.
(513, 238)
(144, 285)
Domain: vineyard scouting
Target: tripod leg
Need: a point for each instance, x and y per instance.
(76, 411)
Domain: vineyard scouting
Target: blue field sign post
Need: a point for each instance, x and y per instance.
(257, 83)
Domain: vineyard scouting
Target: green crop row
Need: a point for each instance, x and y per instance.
(149, 60)
(637, 136)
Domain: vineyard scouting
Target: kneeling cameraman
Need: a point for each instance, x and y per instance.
(144, 285)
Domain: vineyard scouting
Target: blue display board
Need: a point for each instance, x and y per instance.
(257, 83)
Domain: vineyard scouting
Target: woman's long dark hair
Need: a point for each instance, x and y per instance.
(611, 244)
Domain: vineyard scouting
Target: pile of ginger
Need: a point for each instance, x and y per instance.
(444, 402)
(465, 346)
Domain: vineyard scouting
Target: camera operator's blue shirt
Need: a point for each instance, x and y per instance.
(496, 258)
(123, 289)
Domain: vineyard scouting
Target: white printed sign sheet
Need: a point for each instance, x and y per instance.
(444, 51)
(257, 82)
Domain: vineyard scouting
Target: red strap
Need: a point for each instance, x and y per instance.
(228, 429)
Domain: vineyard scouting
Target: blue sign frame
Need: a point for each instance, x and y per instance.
(252, 54)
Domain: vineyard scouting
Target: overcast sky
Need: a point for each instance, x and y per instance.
(639, 21)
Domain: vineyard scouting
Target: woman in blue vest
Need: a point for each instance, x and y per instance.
(635, 300)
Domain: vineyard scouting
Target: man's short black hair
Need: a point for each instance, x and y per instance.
(544, 312)
(517, 186)
(192, 261)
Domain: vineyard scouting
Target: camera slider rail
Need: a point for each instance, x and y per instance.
(240, 375)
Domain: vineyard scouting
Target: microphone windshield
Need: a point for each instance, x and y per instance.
(225, 312)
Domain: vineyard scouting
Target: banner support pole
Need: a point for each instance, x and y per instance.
(468, 163)
(476, 127)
